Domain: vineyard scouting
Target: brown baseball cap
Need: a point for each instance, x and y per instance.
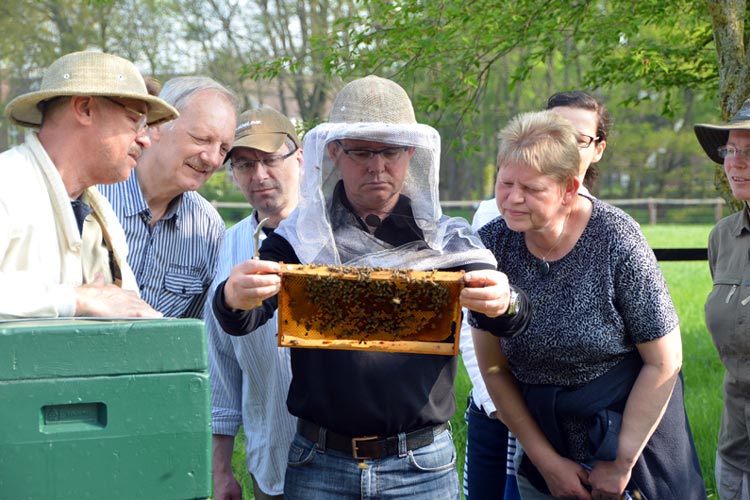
(264, 129)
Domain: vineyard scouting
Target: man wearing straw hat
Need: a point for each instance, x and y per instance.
(62, 250)
(727, 308)
(371, 424)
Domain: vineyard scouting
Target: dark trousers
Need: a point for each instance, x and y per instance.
(486, 447)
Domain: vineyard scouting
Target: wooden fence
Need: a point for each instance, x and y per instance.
(653, 206)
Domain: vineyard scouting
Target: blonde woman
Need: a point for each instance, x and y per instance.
(592, 388)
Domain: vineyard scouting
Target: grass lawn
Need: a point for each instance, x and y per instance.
(689, 284)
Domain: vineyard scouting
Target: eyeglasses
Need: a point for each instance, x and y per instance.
(142, 122)
(732, 152)
(585, 141)
(268, 162)
(390, 155)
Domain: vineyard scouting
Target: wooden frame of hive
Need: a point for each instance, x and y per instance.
(390, 310)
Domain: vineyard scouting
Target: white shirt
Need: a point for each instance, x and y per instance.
(250, 377)
(486, 211)
(43, 257)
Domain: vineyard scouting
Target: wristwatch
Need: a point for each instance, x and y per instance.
(514, 304)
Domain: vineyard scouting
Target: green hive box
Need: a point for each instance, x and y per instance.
(104, 410)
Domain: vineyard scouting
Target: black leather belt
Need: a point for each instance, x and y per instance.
(369, 447)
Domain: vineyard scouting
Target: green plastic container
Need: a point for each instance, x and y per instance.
(104, 410)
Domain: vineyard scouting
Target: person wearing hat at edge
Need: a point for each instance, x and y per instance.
(62, 250)
(371, 424)
(726, 306)
(250, 375)
(174, 233)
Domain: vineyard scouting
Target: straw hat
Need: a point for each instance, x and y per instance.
(264, 129)
(712, 137)
(88, 73)
(372, 99)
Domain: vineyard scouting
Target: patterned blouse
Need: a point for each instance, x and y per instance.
(606, 295)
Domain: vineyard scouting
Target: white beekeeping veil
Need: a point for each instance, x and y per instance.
(322, 231)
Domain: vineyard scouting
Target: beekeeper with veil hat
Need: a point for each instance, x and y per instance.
(369, 197)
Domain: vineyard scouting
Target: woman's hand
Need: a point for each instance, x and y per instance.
(565, 478)
(487, 291)
(608, 480)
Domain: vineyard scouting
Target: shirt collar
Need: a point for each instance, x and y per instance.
(135, 203)
(743, 222)
(401, 218)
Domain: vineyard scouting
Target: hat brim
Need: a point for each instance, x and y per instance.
(268, 143)
(24, 110)
(712, 137)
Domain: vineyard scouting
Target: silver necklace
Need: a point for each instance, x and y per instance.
(543, 265)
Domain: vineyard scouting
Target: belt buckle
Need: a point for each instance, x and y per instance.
(355, 446)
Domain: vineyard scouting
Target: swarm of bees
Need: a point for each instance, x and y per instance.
(368, 303)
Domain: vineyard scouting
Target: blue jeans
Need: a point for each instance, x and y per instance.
(486, 455)
(427, 473)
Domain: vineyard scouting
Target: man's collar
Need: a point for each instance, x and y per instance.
(402, 209)
(743, 223)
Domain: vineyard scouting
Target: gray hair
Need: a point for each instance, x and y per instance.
(178, 91)
(543, 141)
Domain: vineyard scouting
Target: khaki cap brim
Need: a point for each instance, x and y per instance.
(264, 129)
(268, 143)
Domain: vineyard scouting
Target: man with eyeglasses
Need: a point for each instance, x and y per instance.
(62, 250)
(728, 144)
(250, 376)
(174, 234)
(370, 423)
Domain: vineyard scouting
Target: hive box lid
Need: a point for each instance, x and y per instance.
(80, 347)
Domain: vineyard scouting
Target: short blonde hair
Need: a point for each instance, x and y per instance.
(541, 140)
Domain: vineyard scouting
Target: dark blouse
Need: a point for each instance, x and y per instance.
(606, 295)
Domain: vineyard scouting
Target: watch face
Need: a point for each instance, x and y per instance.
(514, 303)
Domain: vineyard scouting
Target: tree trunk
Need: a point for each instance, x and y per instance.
(729, 23)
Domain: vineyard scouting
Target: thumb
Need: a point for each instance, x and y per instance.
(99, 279)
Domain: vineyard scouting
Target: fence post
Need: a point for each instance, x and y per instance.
(719, 209)
(652, 209)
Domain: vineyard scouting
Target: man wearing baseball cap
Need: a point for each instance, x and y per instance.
(250, 376)
(62, 250)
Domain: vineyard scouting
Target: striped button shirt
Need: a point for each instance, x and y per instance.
(175, 260)
(250, 377)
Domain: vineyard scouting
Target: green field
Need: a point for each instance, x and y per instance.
(689, 284)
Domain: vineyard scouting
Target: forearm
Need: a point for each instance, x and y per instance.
(226, 486)
(222, 446)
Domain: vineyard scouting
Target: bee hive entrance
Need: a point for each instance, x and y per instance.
(369, 309)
